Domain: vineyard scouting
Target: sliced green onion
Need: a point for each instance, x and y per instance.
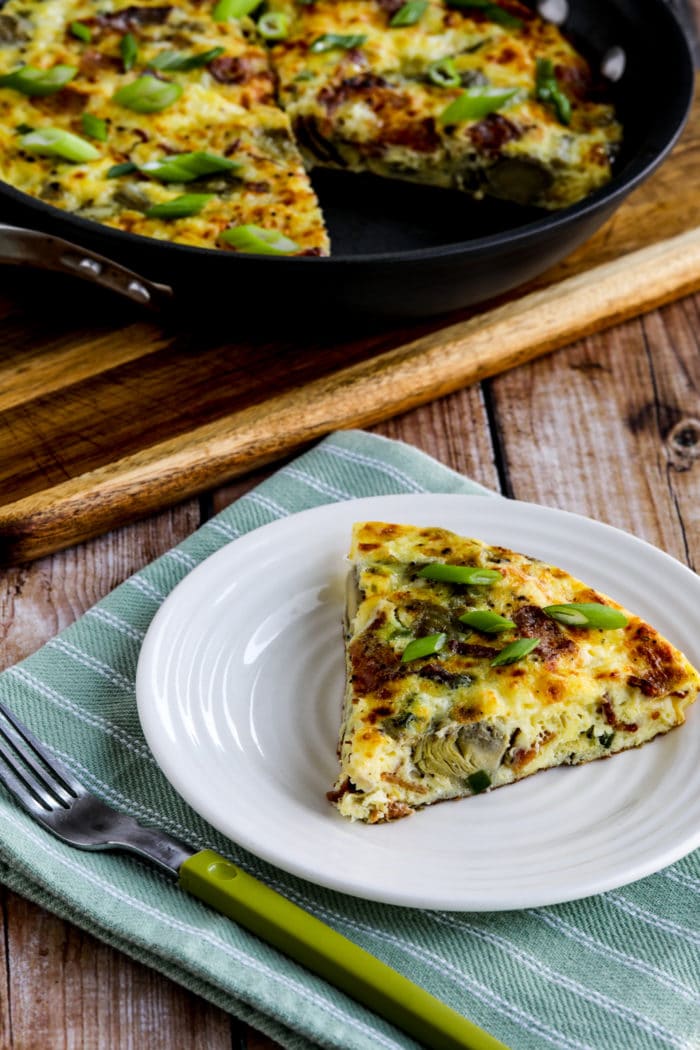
(492, 11)
(32, 81)
(472, 574)
(179, 207)
(55, 142)
(129, 50)
(443, 73)
(479, 781)
(273, 26)
(81, 32)
(226, 9)
(547, 90)
(121, 169)
(587, 614)
(185, 167)
(431, 643)
(182, 62)
(515, 651)
(258, 241)
(486, 621)
(147, 95)
(475, 103)
(94, 127)
(411, 12)
(330, 41)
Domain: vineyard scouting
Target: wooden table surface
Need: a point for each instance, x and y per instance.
(608, 427)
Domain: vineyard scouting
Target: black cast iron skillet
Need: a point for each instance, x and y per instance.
(399, 250)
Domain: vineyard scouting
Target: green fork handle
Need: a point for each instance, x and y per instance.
(316, 946)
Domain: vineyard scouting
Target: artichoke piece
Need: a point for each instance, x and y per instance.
(461, 751)
(519, 180)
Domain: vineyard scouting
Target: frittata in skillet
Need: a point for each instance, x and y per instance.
(154, 118)
(484, 97)
(470, 667)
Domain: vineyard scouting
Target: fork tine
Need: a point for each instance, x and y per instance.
(49, 772)
(19, 783)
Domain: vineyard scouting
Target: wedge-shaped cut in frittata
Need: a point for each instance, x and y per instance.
(471, 666)
(153, 118)
(484, 97)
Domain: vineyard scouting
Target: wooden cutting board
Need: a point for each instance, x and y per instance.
(107, 416)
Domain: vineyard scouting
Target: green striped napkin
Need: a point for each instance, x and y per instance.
(619, 971)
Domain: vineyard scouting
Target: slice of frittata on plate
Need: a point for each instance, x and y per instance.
(154, 118)
(483, 97)
(471, 666)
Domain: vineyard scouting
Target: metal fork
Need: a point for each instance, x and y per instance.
(50, 793)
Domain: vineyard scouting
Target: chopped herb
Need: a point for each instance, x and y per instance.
(121, 169)
(492, 11)
(515, 651)
(474, 575)
(589, 732)
(24, 129)
(185, 167)
(179, 207)
(147, 94)
(432, 643)
(182, 62)
(606, 739)
(55, 142)
(305, 74)
(30, 80)
(273, 26)
(475, 103)
(479, 781)
(330, 41)
(411, 12)
(226, 9)
(587, 614)
(81, 32)
(486, 621)
(257, 240)
(547, 90)
(94, 127)
(443, 73)
(129, 50)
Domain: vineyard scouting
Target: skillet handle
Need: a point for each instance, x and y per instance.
(22, 247)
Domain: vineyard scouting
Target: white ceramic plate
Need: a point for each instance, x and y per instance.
(239, 693)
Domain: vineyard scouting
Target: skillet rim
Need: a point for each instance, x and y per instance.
(638, 169)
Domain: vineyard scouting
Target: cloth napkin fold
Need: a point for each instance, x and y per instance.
(618, 971)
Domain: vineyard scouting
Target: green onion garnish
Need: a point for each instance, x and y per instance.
(185, 167)
(147, 95)
(121, 169)
(81, 32)
(330, 41)
(587, 614)
(431, 643)
(475, 103)
(515, 651)
(273, 26)
(94, 127)
(129, 50)
(258, 241)
(178, 60)
(472, 574)
(32, 81)
(479, 781)
(411, 12)
(444, 73)
(55, 142)
(492, 11)
(179, 207)
(486, 621)
(547, 90)
(226, 9)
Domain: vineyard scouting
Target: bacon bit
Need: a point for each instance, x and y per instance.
(133, 17)
(257, 187)
(346, 788)
(532, 622)
(612, 719)
(334, 95)
(368, 546)
(93, 62)
(391, 6)
(396, 810)
(490, 134)
(311, 251)
(521, 757)
(479, 652)
(373, 664)
(661, 672)
(394, 778)
(230, 69)
(382, 711)
(421, 137)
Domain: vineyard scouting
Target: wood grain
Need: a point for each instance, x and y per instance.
(109, 421)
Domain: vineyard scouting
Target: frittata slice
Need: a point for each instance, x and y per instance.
(471, 666)
(156, 119)
(483, 97)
